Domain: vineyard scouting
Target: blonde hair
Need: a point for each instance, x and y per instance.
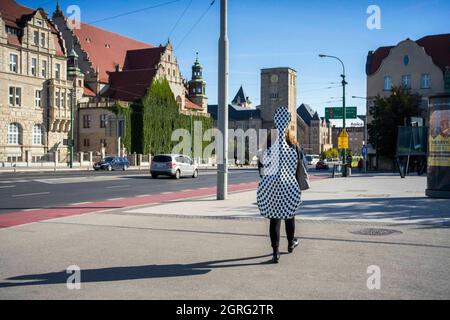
(290, 138)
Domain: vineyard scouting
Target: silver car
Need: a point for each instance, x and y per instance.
(173, 165)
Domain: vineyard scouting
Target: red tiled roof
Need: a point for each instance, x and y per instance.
(192, 105)
(376, 58)
(88, 92)
(436, 46)
(130, 85)
(139, 69)
(16, 15)
(105, 49)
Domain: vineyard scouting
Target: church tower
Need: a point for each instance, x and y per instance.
(197, 86)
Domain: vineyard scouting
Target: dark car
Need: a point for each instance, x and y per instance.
(112, 163)
(322, 165)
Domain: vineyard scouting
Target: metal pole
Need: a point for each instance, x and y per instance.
(344, 116)
(222, 168)
(71, 145)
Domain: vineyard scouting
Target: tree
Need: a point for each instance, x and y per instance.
(331, 153)
(160, 117)
(388, 114)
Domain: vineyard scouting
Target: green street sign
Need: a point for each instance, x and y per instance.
(336, 113)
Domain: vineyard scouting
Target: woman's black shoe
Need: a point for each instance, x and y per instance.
(293, 245)
(276, 255)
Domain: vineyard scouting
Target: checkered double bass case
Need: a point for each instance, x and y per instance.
(278, 195)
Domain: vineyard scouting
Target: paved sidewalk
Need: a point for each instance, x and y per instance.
(207, 249)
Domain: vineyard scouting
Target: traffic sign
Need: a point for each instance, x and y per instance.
(337, 113)
(343, 139)
(364, 151)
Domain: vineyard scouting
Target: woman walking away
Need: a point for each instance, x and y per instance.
(278, 194)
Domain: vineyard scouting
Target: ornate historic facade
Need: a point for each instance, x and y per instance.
(119, 69)
(35, 94)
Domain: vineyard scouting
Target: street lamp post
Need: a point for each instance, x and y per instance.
(344, 115)
(222, 167)
(71, 140)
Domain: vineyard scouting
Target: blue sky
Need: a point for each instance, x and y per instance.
(273, 33)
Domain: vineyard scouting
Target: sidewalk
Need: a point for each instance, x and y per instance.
(201, 248)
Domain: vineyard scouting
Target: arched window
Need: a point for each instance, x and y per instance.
(37, 134)
(13, 133)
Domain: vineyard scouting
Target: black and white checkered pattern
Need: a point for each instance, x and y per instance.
(278, 194)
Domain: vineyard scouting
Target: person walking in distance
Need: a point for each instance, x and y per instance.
(278, 194)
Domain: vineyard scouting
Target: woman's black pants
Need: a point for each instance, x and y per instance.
(275, 226)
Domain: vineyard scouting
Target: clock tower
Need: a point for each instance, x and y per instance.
(278, 88)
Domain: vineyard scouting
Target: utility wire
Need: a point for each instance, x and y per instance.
(195, 24)
(134, 11)
(326, 88)
(180, 17)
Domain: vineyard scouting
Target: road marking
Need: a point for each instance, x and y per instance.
(4, 187)
(115, 199)
(121, 186)
(32, 209)
(29, 194)
(168, 192)
(186, 190)
(142, 195)
(80, 203)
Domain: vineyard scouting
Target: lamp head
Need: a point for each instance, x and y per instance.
(322, 55)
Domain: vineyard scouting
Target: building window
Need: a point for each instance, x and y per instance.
(406, 81)
(86, 121)
(387, 83)
(35, 38)
(33, 66)
(86, 142)
(57, 71)
(13, 63)
(43, 40)
(63, 99)
(44, 69)
(103, 118)
(13, 133)
(13, 31)
(58, 99)
(15, 96)
(37, 98)
(425, 81)
(37, 134)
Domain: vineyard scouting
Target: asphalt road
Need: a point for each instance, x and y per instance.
(24, 191)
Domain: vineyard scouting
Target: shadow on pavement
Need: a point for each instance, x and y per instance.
(132, 272)
(417, 210)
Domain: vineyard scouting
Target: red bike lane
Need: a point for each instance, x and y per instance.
(40, 214)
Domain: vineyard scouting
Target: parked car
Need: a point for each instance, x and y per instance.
(173, 165)
(322, 165)
(112, 163)
(312, 159)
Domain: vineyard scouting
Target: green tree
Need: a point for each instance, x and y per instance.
(389, 113)
(331, 153)
(159, 118)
